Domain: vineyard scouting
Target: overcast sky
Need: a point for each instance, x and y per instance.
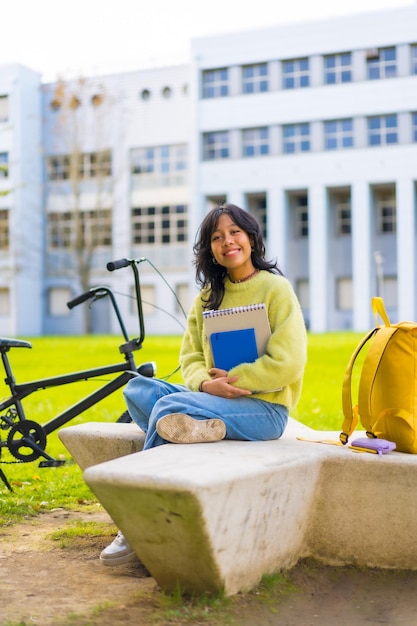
(96, 36)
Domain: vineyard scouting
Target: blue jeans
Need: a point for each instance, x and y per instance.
(246, 419)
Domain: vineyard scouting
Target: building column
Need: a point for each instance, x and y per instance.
(318, 253)
(406, 250)
(362, 255)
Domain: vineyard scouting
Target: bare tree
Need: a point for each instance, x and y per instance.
(82, 166)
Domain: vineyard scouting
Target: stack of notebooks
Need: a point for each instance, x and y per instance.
(237, 335)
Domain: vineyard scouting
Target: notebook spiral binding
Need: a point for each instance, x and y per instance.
(233, 310)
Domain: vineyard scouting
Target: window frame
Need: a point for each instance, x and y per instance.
(380, 67)
(255, 78)
(344, 293)
(340, 135)
(255, 142)
(414, 126)
(382, 129)
(159, 225)
(297, 139)
(294, 75)
(158, 160)
(386, 216)
(339, 69)
(4, 165)
(4, 229)
(343, 219)
(301, 218)
(215, 83)
(413, 54)
(96, 229)
(216, 145)
(4, 108)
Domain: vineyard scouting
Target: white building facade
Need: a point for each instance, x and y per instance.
(311, 126)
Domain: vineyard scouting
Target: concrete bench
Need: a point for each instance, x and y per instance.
(95, 442)
(218, 516)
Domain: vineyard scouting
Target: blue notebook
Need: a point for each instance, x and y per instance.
(232, 347)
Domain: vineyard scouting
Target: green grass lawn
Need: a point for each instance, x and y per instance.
(38, 489)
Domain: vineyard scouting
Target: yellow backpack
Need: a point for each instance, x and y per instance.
(387, 396)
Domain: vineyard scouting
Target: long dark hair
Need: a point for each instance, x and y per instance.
(210, 275)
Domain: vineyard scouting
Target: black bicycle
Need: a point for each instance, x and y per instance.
(26, 439)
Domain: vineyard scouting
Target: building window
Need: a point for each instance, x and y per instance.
(82, 166)
(4, 108)
(343, 219)
(296, 138)
(216, 145)
(148, 297)
(255, 142)
(296, 74)
(338, 68)
(145, 94)
(344, 294)
(4, 229)
(4, 164)
(255, 78)
(159, 225)
(167, 92)
(414, 125)
(302, 288)
(414, 59)
(382, 130)
(382, 63)
(386, 216)
(338, 134)
(257, 206)
(95, 164)
(57, 301)
(4, 301)
(159, 159)
(301, 217)
(96, 228)
(390, 291)
(182, 301)
(216, 83)
(58, 167)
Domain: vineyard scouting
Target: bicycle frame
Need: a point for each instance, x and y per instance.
(23, 390)
(29, 435)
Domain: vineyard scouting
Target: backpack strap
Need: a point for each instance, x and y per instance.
(350, 413)
(369, 370)
(378, 308)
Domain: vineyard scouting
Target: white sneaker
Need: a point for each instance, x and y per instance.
(181, 428)
(118, 552)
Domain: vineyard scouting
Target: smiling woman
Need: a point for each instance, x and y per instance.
(251, 401)
(232, 248)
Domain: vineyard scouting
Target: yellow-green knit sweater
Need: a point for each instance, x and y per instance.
(282, 365)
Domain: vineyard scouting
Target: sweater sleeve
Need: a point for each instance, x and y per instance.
(282, 366)
(193, 357)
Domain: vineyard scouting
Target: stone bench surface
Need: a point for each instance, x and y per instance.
(220, 515)
(95, 442)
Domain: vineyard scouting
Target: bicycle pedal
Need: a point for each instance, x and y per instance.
(52, 463)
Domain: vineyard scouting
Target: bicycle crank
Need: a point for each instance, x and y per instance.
(27, 440)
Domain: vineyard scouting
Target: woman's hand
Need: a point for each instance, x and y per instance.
(221, 385)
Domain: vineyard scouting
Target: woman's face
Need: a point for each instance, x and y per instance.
(231, 247)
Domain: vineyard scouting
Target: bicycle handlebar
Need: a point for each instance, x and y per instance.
(79, 299)
(117, 265)
(100, 292)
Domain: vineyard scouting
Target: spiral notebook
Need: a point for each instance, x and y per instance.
(237, 335)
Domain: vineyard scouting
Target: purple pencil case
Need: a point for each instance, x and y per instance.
(375, 446)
